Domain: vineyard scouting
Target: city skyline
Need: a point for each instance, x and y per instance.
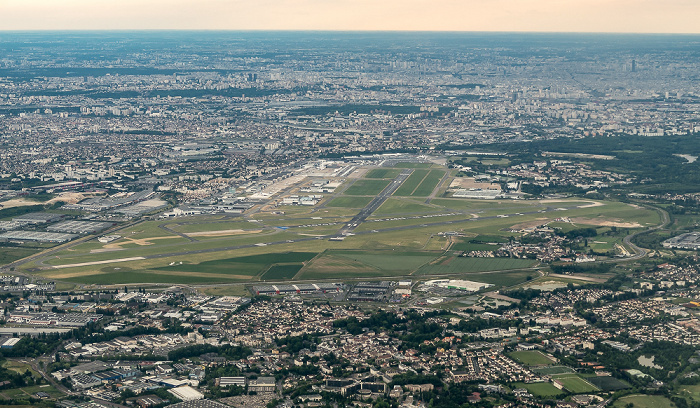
(610, 16)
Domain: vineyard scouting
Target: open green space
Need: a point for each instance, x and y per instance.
(689, 392)
(282, 272)
(351, 263)
(552, 370)
(367, 187)
(244, 265)
(542, 389)
(406, 165)
(426, 187)
(416, 235)
(349, 202)
(467, 246)
(25, 392)
(389, 260)
(411, 183)
(458, 265)
(19, 367)
(189, 227)
(608, 383)
(575, 384)
(403, 206)
(644, 401)
(126, 277)
(11, 254)
(382, 173)
(531, 358)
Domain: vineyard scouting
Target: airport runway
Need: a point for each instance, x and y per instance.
(304, 239)
(375, 203)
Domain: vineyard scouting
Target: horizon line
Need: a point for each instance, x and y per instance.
(293, 30)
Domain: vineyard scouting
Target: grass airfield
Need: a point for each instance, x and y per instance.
(282, 243)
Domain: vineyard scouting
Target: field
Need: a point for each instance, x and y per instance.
(542, 389)
(644, 401)
(531, 358)
(403, 237)
(349, 202)
(382, 173)
(411, 182)
(428, 184)
(575, 384)
(282, 272)
(334, 264)
(11, 254)
(457, 265)
(404, 206)
(608, 383)
(364, 187)
(405, 165)
(551, 370)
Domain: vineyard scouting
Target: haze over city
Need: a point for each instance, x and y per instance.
(628, 16)
(349, 204)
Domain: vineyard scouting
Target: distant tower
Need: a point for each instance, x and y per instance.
(634, 66)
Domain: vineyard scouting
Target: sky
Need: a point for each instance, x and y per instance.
(616, 16)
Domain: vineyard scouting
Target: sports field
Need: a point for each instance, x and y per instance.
(607, 383)
(531, 358)
(542, 389)
(575, 384)
(551, 370)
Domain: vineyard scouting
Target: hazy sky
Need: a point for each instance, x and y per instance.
(644, 16)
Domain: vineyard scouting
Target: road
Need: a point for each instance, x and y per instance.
(640, 252)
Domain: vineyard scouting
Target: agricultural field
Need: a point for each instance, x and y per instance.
(575, 384)
(644, 401)
(531, 358)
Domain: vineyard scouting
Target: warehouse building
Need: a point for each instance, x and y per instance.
(79, 227)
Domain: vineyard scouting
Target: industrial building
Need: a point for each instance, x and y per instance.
(465, 285)
(37, 236)
(79, 227)
(478, 194)
(690, 240)
(370, 292)
(301, 288)
(38, 218)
